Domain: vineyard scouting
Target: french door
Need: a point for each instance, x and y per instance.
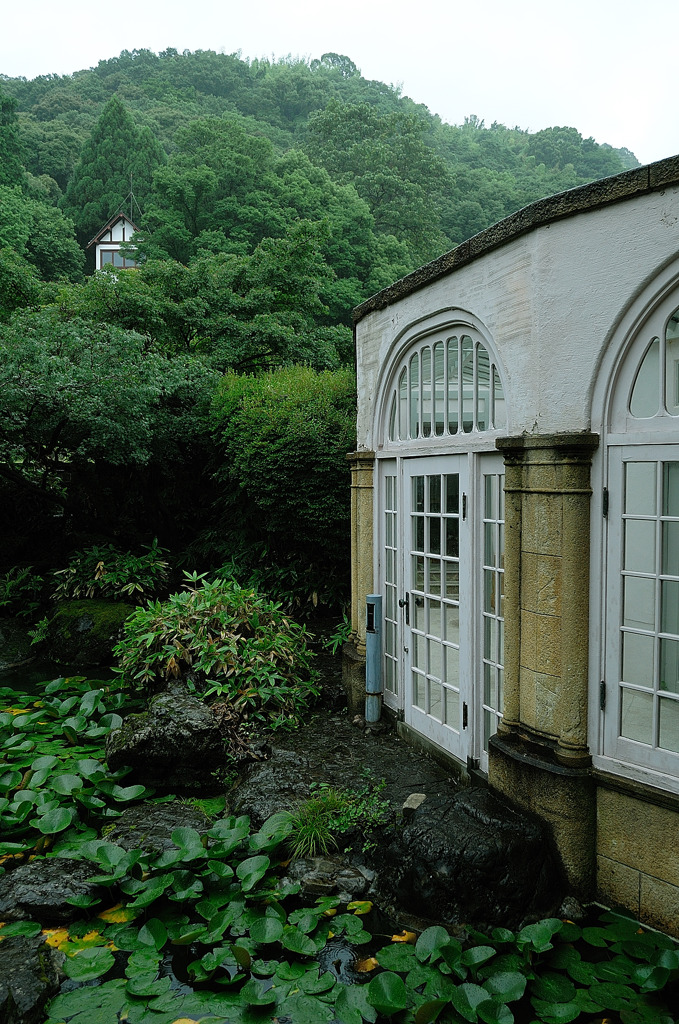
(442, 577)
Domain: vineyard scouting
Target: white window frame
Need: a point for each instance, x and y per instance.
(624, 438)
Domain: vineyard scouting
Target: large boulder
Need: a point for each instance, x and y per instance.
(175, 747)
(471, 859)
(281, 783)
(149, 827)
(29, 976)
(39, 891)
(84, 632)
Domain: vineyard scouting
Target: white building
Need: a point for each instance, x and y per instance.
(107, 243)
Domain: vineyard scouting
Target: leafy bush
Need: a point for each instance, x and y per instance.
(226, 641)
(20, 591)
(285, 482)
(107, 572)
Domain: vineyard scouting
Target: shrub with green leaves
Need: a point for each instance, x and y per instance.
(105, 571)
(227, 642)
(20, 591)
(284, 478)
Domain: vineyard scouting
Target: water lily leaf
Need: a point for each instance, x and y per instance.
(387, 993)
(148, 986)
(313, 984)
(267, 929)
(492, 1011)
(430, 942)
(466, 998)
(65, 784)
(297, 942)
(258, 993)
(429, 1011)
(359, 907)
(509, 985)
(55, 820)
(554, 988)
(539, 936)
(352, 1006)
(118, 914)
(557, 1013)
(396, 958)
(153, 933)
(89, 963)
(29, 928)
(250, 871)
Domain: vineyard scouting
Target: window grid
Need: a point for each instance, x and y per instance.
(649, 648)
(493, 603)
(391, 653)
(446, 388)
(435, 615)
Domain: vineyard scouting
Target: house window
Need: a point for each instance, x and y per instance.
(641, 658)
(448, 387)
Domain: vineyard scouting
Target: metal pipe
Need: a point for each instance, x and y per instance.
(373, 658)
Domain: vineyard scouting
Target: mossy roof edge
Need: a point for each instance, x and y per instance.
(595, 194)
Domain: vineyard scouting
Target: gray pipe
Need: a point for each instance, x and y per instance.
(373, 658)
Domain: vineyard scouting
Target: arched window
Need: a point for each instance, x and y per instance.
(640, 691)
(446, 387)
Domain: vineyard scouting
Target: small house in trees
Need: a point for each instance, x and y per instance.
(515, 504)
(108, 241)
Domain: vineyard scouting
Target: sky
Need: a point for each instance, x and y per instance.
(597, 65)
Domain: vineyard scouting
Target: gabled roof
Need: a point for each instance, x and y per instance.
(107, 227)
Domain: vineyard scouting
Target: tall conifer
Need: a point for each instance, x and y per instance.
(118, 155)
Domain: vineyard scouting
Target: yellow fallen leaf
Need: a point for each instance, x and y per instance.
(360, 907)
(330, 912)
(405, 936)
(118, 914)
(185, 1020)
(56, 937)
(369, 964)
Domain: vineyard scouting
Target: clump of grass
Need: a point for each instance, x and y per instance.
(331, 812)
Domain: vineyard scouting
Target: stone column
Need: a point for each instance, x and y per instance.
(353, 668)
(540, 756)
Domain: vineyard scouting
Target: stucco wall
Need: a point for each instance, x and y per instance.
(549, 301)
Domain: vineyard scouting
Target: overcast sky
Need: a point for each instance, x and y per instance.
(601, 66)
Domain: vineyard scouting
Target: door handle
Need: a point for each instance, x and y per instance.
(405, 603)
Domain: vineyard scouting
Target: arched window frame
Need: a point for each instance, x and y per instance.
(421, 404)
(630, 433)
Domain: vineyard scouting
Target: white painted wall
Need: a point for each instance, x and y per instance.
(549, 301)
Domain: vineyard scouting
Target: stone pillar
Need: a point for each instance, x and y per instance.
(540, 756)
(353, 668)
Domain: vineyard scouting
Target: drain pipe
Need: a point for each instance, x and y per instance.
(373, 658)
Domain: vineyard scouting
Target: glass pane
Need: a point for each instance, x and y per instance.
(467, 383)
(418, 533)
(390, 603)
(482, 388)
(489, 686)
(435, 535)
(435, 651)
(452, 571)
(452, 711)
(453, 387)
(389, 529)
(452, 538)
(489, 638)
(452, 493)
(419, 690)
(499, 411)
(435, 618)
(489, 727)
(435, 702)
(637, 659)
(434, 566)
(669, 665)
(670, 491)
(418, 651)
(426, 391)
(418, 494)
(489, 543)
(640, 488)
(389, 635)
(637, 716)
(451, 614)
(488, 590)
(669, 724)
(640, 545)
(419, 620)
(439, 393)
(434, 493)
(453, 667)
(117, 260)
(392, 420)
(106, 256)
(418, 572)
(645, 399)
(672, 365)
(669, 607)
(390, 564)
(414, 425)
(639, 602)
(403, 406)
(489, 489)
(670, 548)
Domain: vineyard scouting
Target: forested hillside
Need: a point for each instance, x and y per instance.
(271, 198)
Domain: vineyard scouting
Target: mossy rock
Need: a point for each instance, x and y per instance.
(85, 632)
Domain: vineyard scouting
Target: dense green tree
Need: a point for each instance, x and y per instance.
(40, 235)
(117, 157)
(11, 165)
